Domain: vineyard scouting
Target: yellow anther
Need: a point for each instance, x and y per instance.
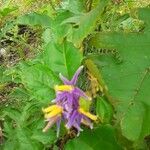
(57, 111)
(50, 108)
(67, 88)
(88, 114)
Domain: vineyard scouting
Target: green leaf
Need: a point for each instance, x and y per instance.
(135, 123)
(87, 23)
(84, 103)
(104, 110)
(102, 137)
(77, 144)
(24, 132)
(40, 80)
(34, 19)
(129, 82)
(46, 36)
(29, 109)
(144, 15)
(44, 138)
(76, 7)
(24, 141)
(13, 114)
(59, 30)
(21, 140)
(62, 58)
(7, 10)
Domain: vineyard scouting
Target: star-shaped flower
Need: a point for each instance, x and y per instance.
(67, 107)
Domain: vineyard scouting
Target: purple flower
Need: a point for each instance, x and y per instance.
(53, 114)
(69, 88)
(80, 116)
(67, 107)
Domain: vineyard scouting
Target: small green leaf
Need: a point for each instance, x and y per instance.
(6, 11)
(84, 103)
(34, 19)
(13, 114)
(104, 110)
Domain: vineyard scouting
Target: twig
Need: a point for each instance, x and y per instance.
(60, 143)
(1, 135)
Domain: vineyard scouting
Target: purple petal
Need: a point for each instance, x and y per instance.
(58, 126)
(79, 119)
(70, 98)
(72, 119)
(67, 108)
(66, 115)
(64, 79)
(75, 77)
(75, 101)
(60, 97)
(77, 126)
(80, 93)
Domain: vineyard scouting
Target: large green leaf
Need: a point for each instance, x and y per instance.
(102, 137)
(62, 58)
(129, 82)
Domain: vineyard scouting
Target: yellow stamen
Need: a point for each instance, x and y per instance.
(88, 114)
(58, 110)
(67, 88)
(50, 108)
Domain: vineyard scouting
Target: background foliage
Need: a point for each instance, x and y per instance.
(40, 39)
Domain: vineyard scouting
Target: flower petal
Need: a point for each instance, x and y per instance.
(71, 119)
(50, 123)
(80, 93)
(75, 77)
(58, 126)
(64, 79)
(77, 126)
